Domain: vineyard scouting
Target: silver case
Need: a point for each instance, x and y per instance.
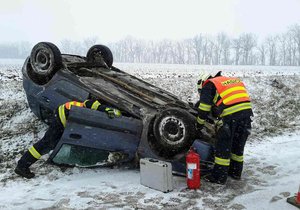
(156, 174)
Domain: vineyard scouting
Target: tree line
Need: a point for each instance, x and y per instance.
(220, 49)
(282, 49)
(15, 50)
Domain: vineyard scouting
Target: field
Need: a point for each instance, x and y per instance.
(272, 154)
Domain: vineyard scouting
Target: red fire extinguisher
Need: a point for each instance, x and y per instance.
(193, 169)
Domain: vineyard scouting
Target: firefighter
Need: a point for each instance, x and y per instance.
(54, 133)
(227, 100)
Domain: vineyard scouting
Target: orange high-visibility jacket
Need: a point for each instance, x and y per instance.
(230, 89)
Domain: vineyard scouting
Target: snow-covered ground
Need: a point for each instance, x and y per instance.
(272, 155)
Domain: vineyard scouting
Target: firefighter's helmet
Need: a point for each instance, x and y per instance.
(205, 76)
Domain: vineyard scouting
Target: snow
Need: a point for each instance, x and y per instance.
(271, 171)
(274, 163)
(278, 165)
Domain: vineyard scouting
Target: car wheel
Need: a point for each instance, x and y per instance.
(104, 51)
(45, 60)
(174, 131)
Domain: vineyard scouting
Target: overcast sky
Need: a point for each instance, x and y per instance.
(111, 20)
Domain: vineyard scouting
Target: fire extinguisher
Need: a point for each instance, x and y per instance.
(193, 169)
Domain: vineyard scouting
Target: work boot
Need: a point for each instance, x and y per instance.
(235, 170)
(23, 165)
(24, 172)
(212, 179)
(218, 175)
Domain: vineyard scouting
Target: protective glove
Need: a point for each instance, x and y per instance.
(112, 113)
(218, 124)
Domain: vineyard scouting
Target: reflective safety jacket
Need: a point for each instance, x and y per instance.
(225, 97)
(63, 110)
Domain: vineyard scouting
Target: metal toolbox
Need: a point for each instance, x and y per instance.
(156, 174)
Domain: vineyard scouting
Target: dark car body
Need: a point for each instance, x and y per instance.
(155, 123)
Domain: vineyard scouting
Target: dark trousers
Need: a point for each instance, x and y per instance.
(46, 144)
(231, 139)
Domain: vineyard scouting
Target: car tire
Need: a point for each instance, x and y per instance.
(45, 60)
(104, 51)
(174, 131)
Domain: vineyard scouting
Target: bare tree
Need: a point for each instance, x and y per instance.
(164, 51)
(178, 52)
(217, 49)
(271, 43)
(151, 52)
(129, 47)
(207, 53)
(226, 50)
(247, 43)
(291, 58)
(197, 46)
(205, 49)
(236, 45)
(190, 52)
(222, 49)
(282, 49)
(262, 53)
(295, 29)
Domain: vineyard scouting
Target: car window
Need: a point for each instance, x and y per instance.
(80, 156)
(86, 157)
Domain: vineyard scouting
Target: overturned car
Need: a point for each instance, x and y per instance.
(154, 122)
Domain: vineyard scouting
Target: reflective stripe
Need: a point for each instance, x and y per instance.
(95, 105)
(222, 162)
(230, 90)
(78, 104)
(62, 115)
(204, 107)
(68, 105)
(75, 103)
(237, 157)
(236, 108)
(84, 103)
(200, 121)
(216, 98)
(34, 153)
(235, 96)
